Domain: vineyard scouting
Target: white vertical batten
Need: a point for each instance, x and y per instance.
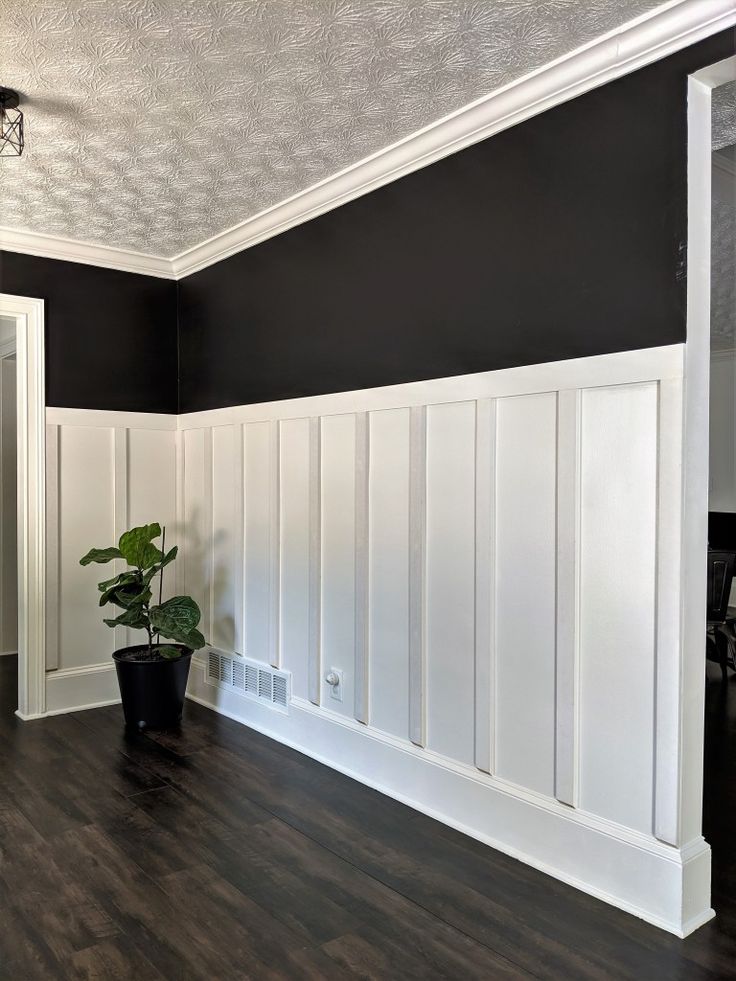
(120, 509)
(208, 520)
(52, 547)
(244, 611)
(239, 538)
(31, 414)
(568, 571)
(274, 542)
(315, 561)
(362, 451)
(668, 639)
(417, 576)
(485, 648)
(180, 463)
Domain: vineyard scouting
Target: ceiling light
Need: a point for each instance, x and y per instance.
(11, 124)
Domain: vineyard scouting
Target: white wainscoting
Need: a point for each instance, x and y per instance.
(479, 557)
(105, 472)
(492, 563)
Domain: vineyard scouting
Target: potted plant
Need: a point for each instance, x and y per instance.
(152, 676)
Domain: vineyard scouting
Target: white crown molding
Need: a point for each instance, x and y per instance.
(638, 43)
(71, 250)
(667, 29)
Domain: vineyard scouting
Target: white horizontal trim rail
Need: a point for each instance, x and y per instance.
(110, 419)
(656, 34)
(619, 368)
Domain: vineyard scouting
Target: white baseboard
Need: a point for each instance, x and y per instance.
(76, 689)
(636, 873)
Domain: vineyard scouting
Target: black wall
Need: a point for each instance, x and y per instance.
(559, 238)
(111, 337)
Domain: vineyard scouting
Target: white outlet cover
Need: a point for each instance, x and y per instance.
(336, 690)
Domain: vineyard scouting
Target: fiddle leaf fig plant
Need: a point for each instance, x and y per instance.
(131, 591)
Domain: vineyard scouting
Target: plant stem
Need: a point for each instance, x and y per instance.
(161, 576)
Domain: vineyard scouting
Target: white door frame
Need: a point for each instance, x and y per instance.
(29, 336)
(695, 447)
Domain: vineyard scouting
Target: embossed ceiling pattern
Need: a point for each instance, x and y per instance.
(723, 276)
(724, 115)
(154, 125)
(723, 217)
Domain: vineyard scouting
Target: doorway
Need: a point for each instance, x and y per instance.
(8, 517)
(711, 344)
(24, 316)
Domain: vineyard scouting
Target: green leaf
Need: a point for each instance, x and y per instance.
(156, 569)
(134, 618)
(136, 548)
(134, 594)
(169, 557)
(177, 619)
(193, 639)
(120, 580)
(129, 581)
(101, 555)
(130, 596)
(168, 652)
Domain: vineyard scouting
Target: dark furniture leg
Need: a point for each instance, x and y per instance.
(722, 647)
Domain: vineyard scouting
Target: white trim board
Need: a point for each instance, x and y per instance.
(110, 419)
(28, 314)
(661, 32)
(639, 875)
(76, 689)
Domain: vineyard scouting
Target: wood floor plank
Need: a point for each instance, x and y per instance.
(215, 853)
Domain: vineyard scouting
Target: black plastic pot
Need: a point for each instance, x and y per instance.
(152, 691)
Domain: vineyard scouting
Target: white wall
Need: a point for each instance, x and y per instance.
(491, 561)
(8, 510)
(106, 472)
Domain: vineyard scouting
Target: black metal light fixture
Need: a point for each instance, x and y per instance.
(11, 124)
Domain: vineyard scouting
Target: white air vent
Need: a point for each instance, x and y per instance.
(249, 678)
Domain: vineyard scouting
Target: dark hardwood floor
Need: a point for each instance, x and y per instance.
(219, 854)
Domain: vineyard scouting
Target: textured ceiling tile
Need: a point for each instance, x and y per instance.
(724, 115)
(723, 241)
(153, 125)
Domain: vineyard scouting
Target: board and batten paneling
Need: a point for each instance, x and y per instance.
(617, 601)
(294, 559)
(85, 519)
(388, 563)
(450, 569)
(476, 556)
(338, 556)
(525, 581)
(105, 472)
(226, 584)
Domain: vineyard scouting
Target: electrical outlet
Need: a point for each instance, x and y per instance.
(334, 680)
